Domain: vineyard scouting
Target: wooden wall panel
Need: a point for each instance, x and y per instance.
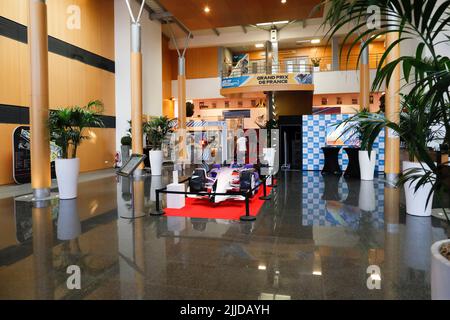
(6, 166)
(294, 103)
(95, 153)
(98, 152)
(75, 83)
(97, 22)
(71, 82)
(200, 63)
(167, 66)
(16, 10)
(15, 73)
(97, 25)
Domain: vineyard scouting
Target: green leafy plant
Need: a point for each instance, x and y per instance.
(67, 126)
(126, 140)
(426, 73)
(316, 62)
(156, 130)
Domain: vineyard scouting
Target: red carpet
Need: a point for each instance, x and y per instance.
(228, 209)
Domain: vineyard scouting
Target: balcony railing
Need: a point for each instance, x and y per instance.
(291, 65)
(229, 71)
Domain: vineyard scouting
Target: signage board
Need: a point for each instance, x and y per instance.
(22, 155)
(266, 80)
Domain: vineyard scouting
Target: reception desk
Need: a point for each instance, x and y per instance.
(314, 129)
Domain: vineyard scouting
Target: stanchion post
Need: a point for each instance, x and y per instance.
(158, 211)
(265, 197)
(247, 216)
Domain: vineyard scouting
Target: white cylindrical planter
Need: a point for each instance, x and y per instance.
(67, 171)
(69, 225)
(418, 239)
(156, 183)
(367, 201)
(416, 202)
(440, 273)
(366, 164)
(316, 69)
(156, 160)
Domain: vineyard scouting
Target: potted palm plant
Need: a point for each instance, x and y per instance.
(356, 125)
(426, 74)
(67, 128)
(316, 64)
(156, 130)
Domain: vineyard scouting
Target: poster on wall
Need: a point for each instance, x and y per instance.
(342, 135)
(266, 80)
(22, 155)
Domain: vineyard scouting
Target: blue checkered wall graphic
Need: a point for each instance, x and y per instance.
(348, 210)
(314, 137)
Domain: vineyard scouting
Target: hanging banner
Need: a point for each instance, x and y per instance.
(266, 80)
(22, 155)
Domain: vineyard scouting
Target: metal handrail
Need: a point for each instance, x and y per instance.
(229, 71)
(260, 67)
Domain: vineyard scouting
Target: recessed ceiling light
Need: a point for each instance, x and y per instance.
(262, 267)
(314, 41)
(283, 1)
(207, 9)
(259, 45)
(271, 23)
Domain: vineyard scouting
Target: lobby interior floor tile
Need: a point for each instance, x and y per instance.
(315, 239)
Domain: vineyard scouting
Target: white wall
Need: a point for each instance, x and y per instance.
(207, 88)
(151, 69)
(339, 81)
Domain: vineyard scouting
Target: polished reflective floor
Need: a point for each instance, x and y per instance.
(318, 238)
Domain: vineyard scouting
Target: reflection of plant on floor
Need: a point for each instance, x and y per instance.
(70, 253)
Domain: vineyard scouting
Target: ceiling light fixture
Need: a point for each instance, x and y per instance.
(261, 267)
(207, 9)
(283, 1)
(259, 45)
(271, 23)
(314, 41)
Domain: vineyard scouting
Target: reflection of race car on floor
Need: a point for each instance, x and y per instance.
(236, 180)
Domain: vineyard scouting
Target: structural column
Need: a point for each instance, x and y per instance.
(335, 54)
(364, 72)
(136, 91)
(181, 92)
(42, 250)
(40, 144)
(392, 152)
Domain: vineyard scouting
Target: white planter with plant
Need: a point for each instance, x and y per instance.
(69, 225)
(316, 64)
(367, 164)
(156, 130)
(66, 128)
(419, 199)
(440, 270)
(425, 106)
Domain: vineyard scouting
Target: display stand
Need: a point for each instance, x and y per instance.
(127, 171)
(331, 165)
(247, 195)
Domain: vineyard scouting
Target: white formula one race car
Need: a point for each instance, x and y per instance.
(224, 182)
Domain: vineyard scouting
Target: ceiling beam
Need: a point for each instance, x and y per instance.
(161, 15)
(166, 17)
